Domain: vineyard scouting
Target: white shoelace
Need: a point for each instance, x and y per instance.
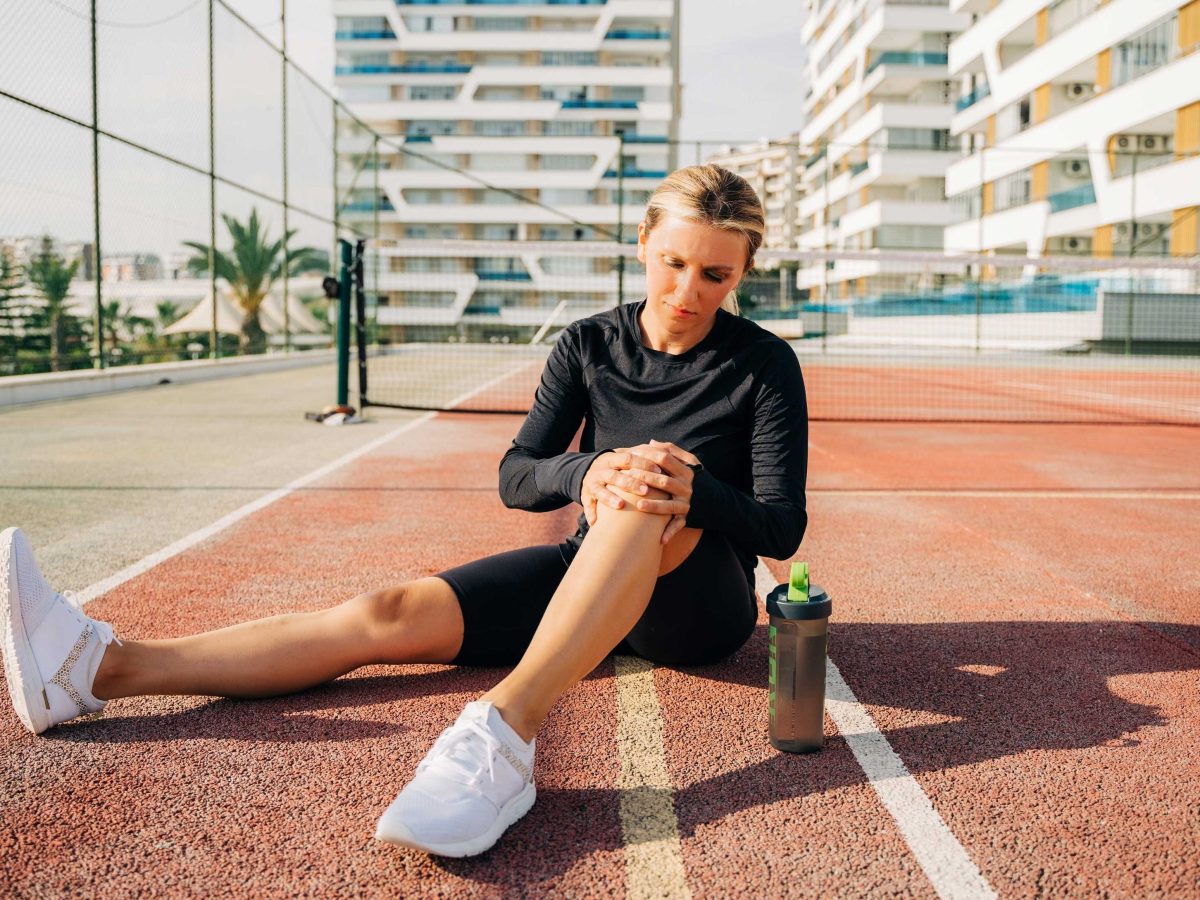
(102, 630)
(468, 766)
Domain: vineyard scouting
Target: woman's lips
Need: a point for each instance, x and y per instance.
(682, 313)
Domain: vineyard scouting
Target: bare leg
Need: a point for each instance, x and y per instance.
(601, 597)
(419, 621)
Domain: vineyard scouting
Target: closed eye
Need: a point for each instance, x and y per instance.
(714, 277)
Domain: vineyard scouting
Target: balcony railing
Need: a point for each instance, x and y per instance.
(632, 34)
(815, 158)
(599, 104)
(501, 2)
(646, 139)
(858, 167)
(902, 58)
(1080, 195)
(496, 275)
(968, 100)
(638, 173)
(383, 205)
(364, 36)
(405, 69)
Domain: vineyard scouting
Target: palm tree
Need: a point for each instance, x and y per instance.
(251, 267)
(51, 274)
(166, 312)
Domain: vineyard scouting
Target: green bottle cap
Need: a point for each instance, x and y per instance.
(798, 588)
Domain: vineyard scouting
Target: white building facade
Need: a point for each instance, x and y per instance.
(878, 116)
(1081, 122)
(504, 103)
(773, 168)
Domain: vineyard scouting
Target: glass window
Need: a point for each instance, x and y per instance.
(432, 92)
(501, 23)
(572, 129)
(568, 162)
(569, 58)
(500, 128)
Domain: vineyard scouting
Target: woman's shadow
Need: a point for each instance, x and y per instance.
(985, 691)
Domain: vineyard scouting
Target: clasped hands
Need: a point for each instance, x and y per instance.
(658, 464)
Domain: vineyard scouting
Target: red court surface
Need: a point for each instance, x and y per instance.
(1014, 605)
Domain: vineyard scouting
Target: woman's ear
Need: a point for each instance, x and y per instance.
(641, 243)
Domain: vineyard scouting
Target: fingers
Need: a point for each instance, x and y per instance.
(663, 507)
(685, 455)
(676, 525)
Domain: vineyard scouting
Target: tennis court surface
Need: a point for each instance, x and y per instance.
(1013, 695)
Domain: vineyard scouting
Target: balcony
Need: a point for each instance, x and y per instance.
(857, 168)
(969, 100)
(901, 58)
(383, 205)
(1080, 195)
(599, 104)
(501, 2)
(364, 36)
(501, 275)
(628, 34)
(659, 174)
(407, 69)
(646, 139)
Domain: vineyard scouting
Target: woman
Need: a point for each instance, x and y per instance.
(701, 420)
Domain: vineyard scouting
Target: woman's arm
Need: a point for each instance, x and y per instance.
(536, 473)
(772, 522)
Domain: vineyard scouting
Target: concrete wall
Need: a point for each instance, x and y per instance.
(17, 389)
(1156, 317)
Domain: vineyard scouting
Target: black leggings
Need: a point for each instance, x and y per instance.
(701, 611)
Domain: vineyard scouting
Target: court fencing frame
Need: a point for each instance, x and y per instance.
(881, 335)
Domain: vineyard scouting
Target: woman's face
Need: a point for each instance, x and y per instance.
(690, 268)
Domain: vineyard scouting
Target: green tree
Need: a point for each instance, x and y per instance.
(251, 267)
(166, 312)
(51, 274)
(12, 302)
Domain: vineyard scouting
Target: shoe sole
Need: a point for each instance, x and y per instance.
(19, 666)
(512, 812)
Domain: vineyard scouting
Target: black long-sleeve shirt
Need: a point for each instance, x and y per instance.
(736, 400)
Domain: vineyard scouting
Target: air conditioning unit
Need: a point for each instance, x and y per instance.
(1080, 90)
(1125, 142)
(1077, 169)
(1151, 230)
(1153, 143)
(1077, 244)
(1122, 232)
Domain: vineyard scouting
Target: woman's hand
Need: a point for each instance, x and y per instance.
(615, 467)
(658, 464)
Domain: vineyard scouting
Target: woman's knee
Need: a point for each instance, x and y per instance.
(419, 620)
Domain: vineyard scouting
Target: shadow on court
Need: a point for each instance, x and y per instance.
(995, 689)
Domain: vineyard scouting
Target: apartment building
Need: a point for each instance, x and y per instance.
(878, 115)
(1081, 122)
(570, 103)
(773, 168)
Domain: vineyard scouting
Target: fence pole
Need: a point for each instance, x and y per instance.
(979, 267)
(1132, 250)
(98, 337)
(337, 202)
(826, 243)
(620, 216)
(287, 323)
(214, 349)
(375, 228)
(343, 326)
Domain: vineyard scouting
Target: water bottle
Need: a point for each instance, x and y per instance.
(799, 636)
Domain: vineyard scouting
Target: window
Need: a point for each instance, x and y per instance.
(429, 23)
(502, 94)
(501, 23)
(571, 129)
(568, 162)
(430, 126)
(496, 232)
(1144, 52)
(569, 58)
(499, 162)
(566, 196)
(500, 128)
(432, 92)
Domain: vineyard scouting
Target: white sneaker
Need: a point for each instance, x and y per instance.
(51, 649)
(475, 782)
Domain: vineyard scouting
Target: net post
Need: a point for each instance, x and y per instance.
(360, 321)
(343, 325)
(1132, 252)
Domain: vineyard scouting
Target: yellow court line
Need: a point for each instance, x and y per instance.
(649, 828)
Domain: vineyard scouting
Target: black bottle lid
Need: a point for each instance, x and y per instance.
(819, 606)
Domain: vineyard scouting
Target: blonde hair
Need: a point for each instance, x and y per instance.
(716, 197)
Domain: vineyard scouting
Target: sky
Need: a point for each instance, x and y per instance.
(742, 72)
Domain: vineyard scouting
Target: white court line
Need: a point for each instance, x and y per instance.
(1014, 494)
(941, 857)
(1096, 395)
(147, 563)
